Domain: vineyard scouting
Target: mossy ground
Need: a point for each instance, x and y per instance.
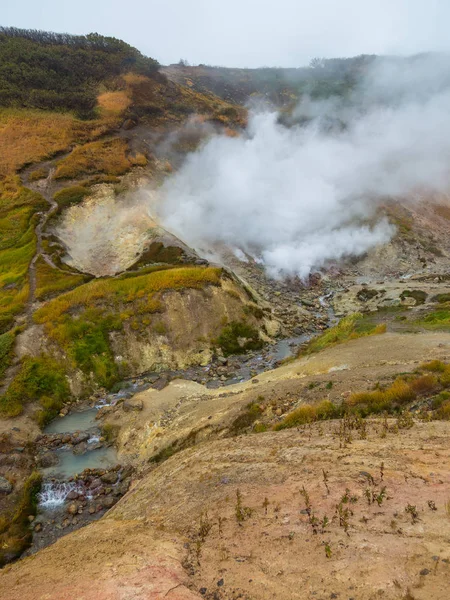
(15, 534)
(40, 380)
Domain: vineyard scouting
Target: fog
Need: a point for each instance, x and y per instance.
(295, 198)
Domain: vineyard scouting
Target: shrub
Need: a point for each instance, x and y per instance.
(418, 295)
(426, 384)
(444, 411)
(40, 379)
(15, 534)
(348, 328)
(376, 401)
(70, 195)
(246, 418)
(239, 337)
(308, 413)
(435, 366)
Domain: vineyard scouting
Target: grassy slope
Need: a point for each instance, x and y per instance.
(30, 133)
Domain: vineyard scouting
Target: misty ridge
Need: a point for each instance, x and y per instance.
(297, 192)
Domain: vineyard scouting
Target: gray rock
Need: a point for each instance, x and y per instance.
(110, 477)
(48, 459)
(5, 486)
(108, 501)
(80, 448)
(132, 404)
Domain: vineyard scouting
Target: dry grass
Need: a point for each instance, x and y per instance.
(28, 136)
(50, 281)
(349, 328)
(104, 156)
(128, 289)
(17, 246)
(114, 102)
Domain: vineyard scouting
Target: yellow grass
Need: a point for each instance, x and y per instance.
(127, 290)
(28, 136)
(114, 102)
(50, 281)
(104, 156)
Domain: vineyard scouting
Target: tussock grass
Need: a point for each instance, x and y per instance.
(40, 379)
(393, 399)
(15, 534)
(81, 320)
(17, 246)
(28, 135)
(6, 347)
(128, 289)
(70, 195)
(50, 281)
(349, 328)
(437, 319)
(105, 156)
(309, 413)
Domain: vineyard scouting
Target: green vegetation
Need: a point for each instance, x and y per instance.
(349, 328)
(308, 413)
(438, 319)
(418, 295)
(104, 156)
(50, 281)
(81, 320)
(238, 337)
(61, 72)
(246, 418)
(17, 246)
(15, 534)
(430, 380)
(6, 346)
(441, 298)
(41, 379)
(70, 195)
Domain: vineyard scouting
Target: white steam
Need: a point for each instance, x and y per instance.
(297, 197)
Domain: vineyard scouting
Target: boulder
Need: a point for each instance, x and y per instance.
(48, 459)
(108, 502)
(110, 477)
(132, 404)
(5, 486)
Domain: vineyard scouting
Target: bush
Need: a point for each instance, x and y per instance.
(239, 337)
(308, 413)
(71, 195)
(15, 534)
(41, 379)
(418, 295)
(348, 328)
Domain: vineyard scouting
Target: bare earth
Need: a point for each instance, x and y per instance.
(181, 532)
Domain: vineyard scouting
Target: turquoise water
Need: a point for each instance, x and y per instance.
(71, 464)
(75, 421)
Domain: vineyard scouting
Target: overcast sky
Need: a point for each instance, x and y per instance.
(247, 32)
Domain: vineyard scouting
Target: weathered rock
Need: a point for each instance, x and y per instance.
(72, 509)
(108, 501)
(80, 448)
(110, 477)
(5, 486)
(73, 495)
(132, 404)
(48, 459)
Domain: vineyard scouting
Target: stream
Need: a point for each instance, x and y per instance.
(81, 477)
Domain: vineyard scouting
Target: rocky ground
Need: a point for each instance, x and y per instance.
(294, 514)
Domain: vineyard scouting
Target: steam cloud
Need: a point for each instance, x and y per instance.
(297, 197)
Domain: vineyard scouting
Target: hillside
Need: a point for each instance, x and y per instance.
(179, 426)
(281, 87)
